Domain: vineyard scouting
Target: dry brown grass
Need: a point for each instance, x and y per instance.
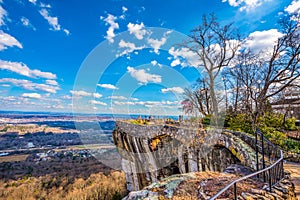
(96, 187)
(13, 158)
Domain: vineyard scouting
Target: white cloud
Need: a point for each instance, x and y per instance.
(53, 21)
(262, 40)
(22, 69)
(66, 97)
(33, 1)
(108, 86)
(110, 20)
(294, 7)
(154, 62)
(25, 22)
(246, 5)
(3, 14)
(122, 103)
(175, 62)
(67, 32)
(97, 95)
(191, 58)
(124, 9)
(94, 102)
(43, 5)
(117, 97)
(29, 85)
(82, 93)
(32, 95)
(142, 76)
(177, 90)
(51, 82)
(137, 29)
(156, 44)
(58, 107)
(129, 47)
(149, 104)
(7, 40)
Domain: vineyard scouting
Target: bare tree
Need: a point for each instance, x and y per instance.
(266, 74)
(197, 99)
(215, 46)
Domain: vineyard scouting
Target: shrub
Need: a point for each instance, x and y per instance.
(240, 122)
(290, 124)
(273, 135)
(206, 120)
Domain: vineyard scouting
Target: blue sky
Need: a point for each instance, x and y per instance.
(53, 53)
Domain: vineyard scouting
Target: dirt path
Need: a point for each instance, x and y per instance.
(294, 169)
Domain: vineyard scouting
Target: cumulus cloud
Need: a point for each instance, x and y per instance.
(294, 7)
(51, 82)
(97, 95)
(156, 44)
(137, 29)
(262, 41)
(33, 1)
(142, 76)
(111, 21)
(190, 58)
(154, 62)
(128, 47)
(94, 102)
(52, 21)
(149, 104)
(175, 62)
(7, 40)
(124, 9)
(25, 21)
(245, 5)
(108, 86)
(177, 90)
(117, 97)
(122, 103)
(82, 93)
(29, 85)
(3, 14)
(32, 95)
(22, 69)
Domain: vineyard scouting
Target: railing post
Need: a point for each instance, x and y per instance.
(270, 180)
(263, 154)
(256, 152)
(235, 194)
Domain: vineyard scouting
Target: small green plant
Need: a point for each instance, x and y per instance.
(240, 122)
(290, 144)
(290, 124)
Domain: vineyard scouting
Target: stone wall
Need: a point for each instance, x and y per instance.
(152, 152)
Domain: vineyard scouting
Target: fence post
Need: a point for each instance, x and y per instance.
(263, 154)
(256, 152)
(270, 180)
(235, 194)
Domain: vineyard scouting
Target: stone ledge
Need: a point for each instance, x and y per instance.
(173, 188)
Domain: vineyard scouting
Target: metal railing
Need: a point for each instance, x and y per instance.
(271, 174)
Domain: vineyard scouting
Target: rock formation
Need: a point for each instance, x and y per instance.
(155, 151)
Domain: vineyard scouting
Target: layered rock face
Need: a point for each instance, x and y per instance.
(153, 152)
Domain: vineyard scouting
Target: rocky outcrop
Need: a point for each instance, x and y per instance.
(204, 185)
(153, 152)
